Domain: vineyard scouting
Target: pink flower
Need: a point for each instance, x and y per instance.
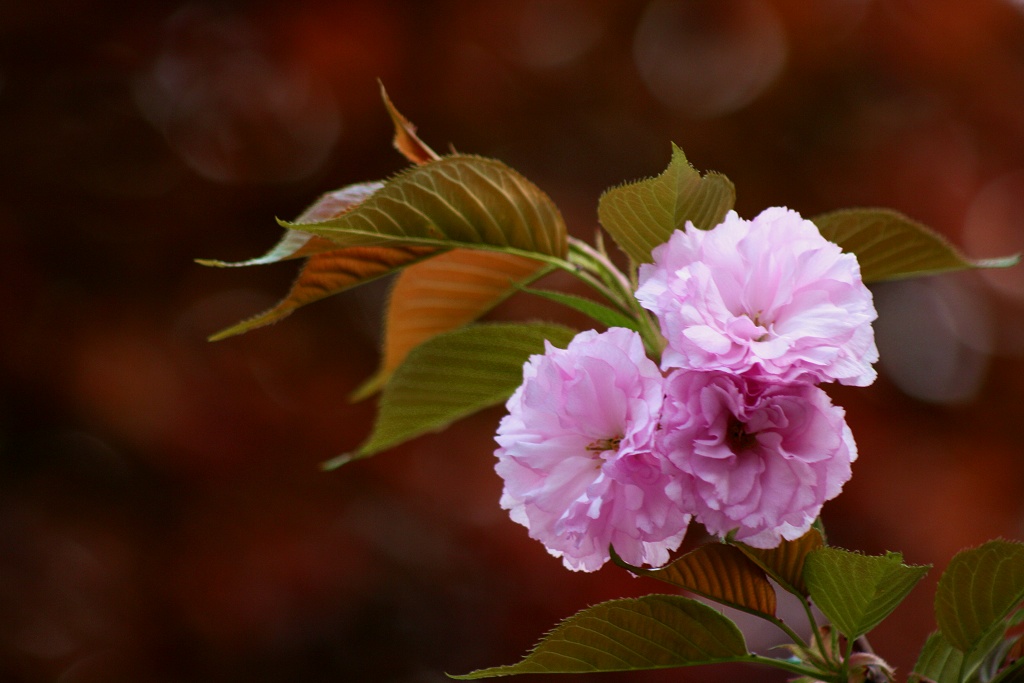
(770, 296)
(758, 458)
(576, 453)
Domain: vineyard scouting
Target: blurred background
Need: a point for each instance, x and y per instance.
(162, 514)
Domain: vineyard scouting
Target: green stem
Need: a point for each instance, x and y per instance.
(599, 287)
(621, 291)
(784, 627)
(850, 642)
(575, 269)
(814, 626)
(795, 668)
(606, 266)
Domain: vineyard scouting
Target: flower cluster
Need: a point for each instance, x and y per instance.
(602, 448)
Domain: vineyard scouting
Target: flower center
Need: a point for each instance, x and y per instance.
(756, 319)
(738, 438)
(602, 445)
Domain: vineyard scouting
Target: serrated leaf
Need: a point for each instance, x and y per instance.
(406, 141)
(856, 592)
(977, 593)
(891, 246)
(451, 376)
(939, 661)
(298, 244)
(441, 294)
(588, 307)
(455, 201)
(329, 273)
(328, 269)
(785, 562)
(721, 573)
(651, 632)
(639, 216)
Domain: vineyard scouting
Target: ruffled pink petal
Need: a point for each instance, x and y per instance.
(576, 454)
(754, 458)
(769, 296)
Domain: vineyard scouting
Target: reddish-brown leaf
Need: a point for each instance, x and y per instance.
(406, 141)
(785, 563)
(722, 573)
(331, 272)
(298, 244)
(442, 294)
(328, 269)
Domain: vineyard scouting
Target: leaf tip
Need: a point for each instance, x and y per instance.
(368, 388)
(678, 153)
(406, 141)
(233, 331)
(223, 334)
(336, 462)
(999, 262)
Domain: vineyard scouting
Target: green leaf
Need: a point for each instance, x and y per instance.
(977, 594)
(785, 562)
(650, 632)
(890, 245)
(639, 216)
(451, 376)
(856, 592)
(598, 312)
(939, 661)
(721, 573)
(455, 201)
(441, 294)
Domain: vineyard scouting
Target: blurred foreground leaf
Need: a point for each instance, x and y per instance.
(651, 632)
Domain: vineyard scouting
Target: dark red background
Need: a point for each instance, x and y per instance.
(162, 515)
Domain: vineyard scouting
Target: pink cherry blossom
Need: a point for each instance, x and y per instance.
(576, 453)
(755, 457)
(770, 296)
